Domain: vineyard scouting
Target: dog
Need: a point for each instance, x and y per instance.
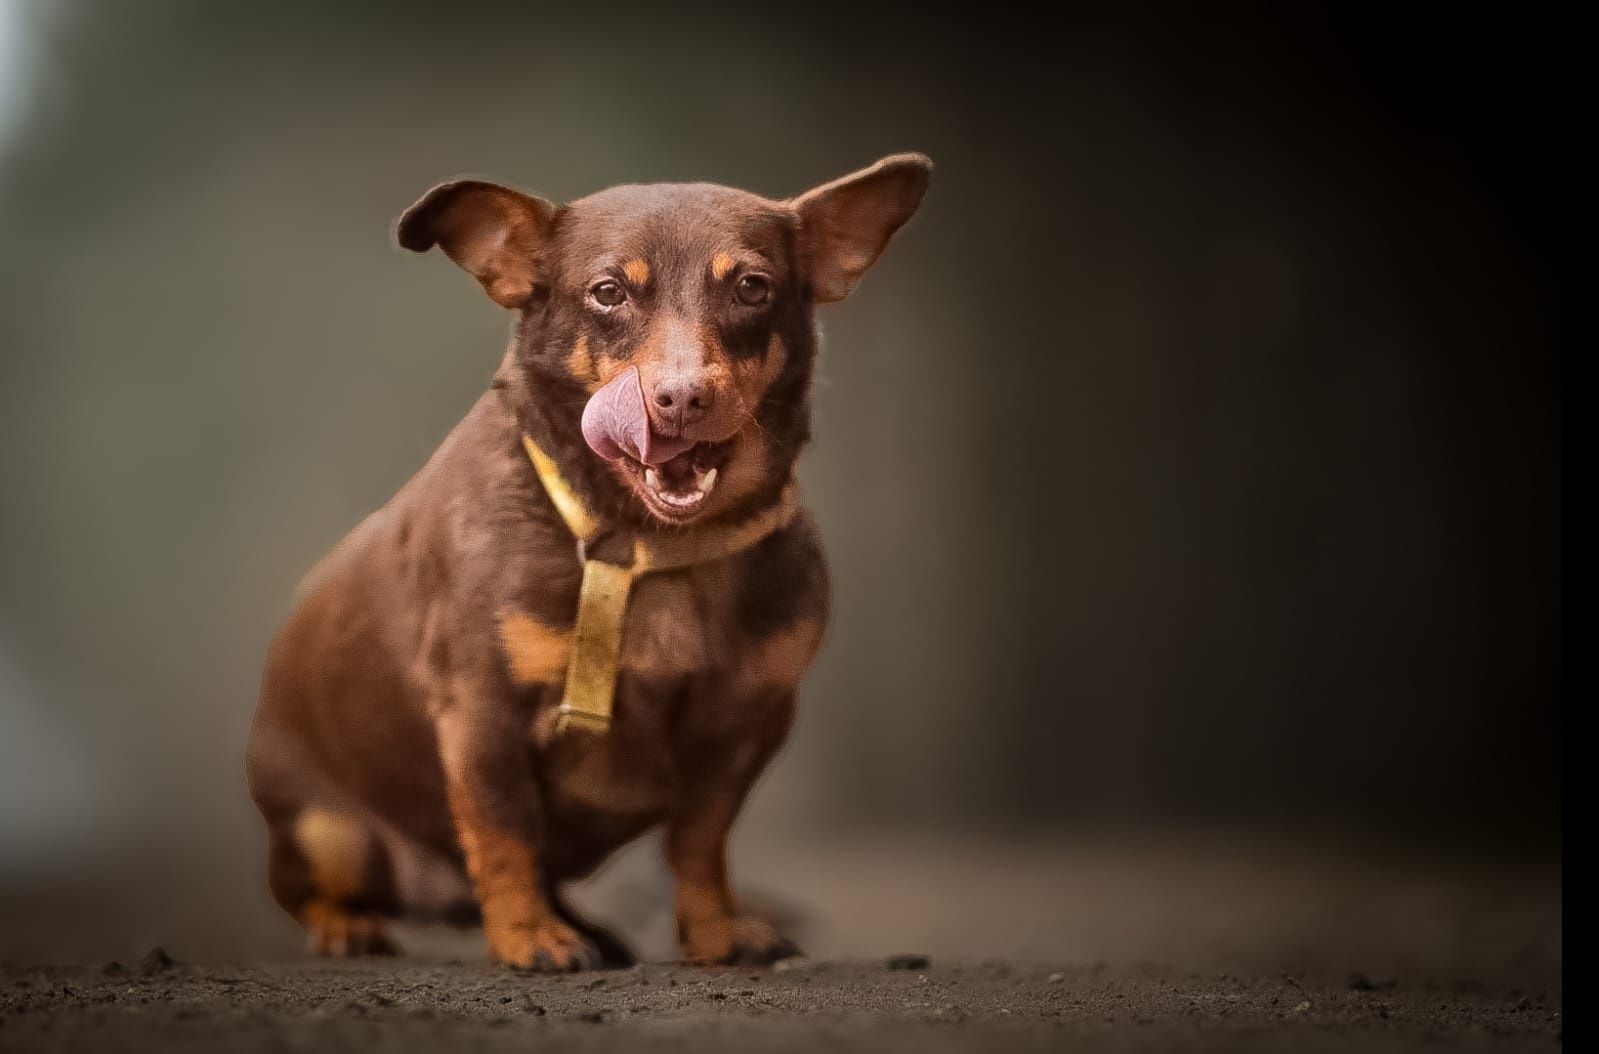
(588, 614)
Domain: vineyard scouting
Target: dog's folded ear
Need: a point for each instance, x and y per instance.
(845, 224)
(493, 232)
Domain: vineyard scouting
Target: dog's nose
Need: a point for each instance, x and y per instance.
(684, 398)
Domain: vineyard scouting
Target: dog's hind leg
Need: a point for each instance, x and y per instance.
(330, 871)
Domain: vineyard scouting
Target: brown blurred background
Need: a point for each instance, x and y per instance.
(1189, 467)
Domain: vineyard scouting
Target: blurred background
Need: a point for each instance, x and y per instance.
(1189, 467)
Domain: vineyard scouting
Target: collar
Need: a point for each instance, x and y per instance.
(609, 567)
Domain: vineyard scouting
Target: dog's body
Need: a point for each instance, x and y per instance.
(406, 736)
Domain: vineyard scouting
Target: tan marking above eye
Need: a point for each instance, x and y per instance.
(721, 264)
(637, 271)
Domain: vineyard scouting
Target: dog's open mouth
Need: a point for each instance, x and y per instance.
(678, 488)
(674, 474)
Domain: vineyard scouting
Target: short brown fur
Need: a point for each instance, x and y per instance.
(404, 752)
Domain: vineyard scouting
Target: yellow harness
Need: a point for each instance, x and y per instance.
(596, 652)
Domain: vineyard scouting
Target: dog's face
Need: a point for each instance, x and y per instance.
(680, 314)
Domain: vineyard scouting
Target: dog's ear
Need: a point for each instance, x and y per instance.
(493, 232)
(845, 224)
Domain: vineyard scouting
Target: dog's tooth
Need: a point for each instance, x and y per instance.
(708, 481)
(652, 480)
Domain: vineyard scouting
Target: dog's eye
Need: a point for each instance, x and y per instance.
(608, 293)
(753, 290)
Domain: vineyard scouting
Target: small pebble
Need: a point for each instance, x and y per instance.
(908, 962)
(1057, 977)
(155, 961)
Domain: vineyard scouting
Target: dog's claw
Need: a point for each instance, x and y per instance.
(745, 954)
(554, 948)
(739, 942)
(334, 933)
(610, 953)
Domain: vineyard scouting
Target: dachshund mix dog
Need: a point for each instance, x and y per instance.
(589, 612)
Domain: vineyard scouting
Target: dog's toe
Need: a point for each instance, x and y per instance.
(739, 942)
(550, 948)
(337, 934)
(747, 954)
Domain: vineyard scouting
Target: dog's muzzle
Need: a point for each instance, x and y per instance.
(616, 424)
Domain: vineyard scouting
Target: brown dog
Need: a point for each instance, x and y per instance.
(589, 612)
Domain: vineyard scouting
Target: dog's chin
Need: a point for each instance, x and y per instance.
(683, 489)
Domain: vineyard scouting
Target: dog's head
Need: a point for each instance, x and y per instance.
(672, 323)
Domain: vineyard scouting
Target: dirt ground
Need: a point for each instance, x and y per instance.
(843, 1006)
(1202, 944)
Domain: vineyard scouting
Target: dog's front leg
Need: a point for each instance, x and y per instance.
(499, 819)
(709, 924)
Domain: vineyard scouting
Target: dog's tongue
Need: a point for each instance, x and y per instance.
(616, 424)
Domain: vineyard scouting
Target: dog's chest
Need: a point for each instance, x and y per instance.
(678, 625)
(679, 622)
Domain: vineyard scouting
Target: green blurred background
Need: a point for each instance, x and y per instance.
(1190, 464)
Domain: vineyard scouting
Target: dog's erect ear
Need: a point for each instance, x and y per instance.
(493, 232)
(845, 224)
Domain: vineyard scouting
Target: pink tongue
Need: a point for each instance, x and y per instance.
(616, 424)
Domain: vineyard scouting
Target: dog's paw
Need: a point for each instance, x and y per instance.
(746, 941)
(549, 947)
(335, 933)
(614, 953)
